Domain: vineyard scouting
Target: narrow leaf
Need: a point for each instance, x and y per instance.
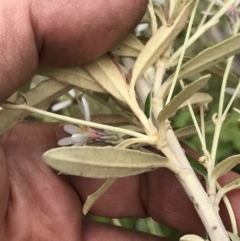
(102, 162)
(210, 57)
(96, 195)
(197, 167)
(75, 76)
(179, 5)
(218, 71)
(191, 237)
(197, 100)
(159, 42)
(39, 97)
(188, 131)
(233, 237)
(225, 166)
(105, 71)
(160, 13)
(235, 184)
(130, 46)
(148, 105)
(184, 95)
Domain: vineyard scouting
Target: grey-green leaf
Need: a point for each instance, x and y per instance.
(109, 75)
(75, 76)
(103, 162)
(131, 46)
(184, 95)
(225, 166)
(209, 57)
(158, 43)
(39, 97)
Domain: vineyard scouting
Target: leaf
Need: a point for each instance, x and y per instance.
(197, 100)
(158, 10)
(210, 57)
(184, 95)
(130, 46)
(105, 71)
(188, 131)
(197, 167)
(233, 237)
(191, 237)
(225, 166)
(39, 97)
(75, 76)
(206, 59)
(235, 184)
(158, 43)
(148, 105)
(218, 71)
(103, 162)
(179, 5)
(91, 199)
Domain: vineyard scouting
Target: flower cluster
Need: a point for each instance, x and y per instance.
(81, 135)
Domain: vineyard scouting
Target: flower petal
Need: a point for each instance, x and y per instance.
(84, 108)
(72, 93)
(61, 105)
(71, 129)
(65, 141)
(80, 138)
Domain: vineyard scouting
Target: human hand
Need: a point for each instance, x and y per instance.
(36, 204)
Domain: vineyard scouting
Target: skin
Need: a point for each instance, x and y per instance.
(37, 204)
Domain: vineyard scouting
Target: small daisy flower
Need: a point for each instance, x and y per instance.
(81, 135)
(63, 104)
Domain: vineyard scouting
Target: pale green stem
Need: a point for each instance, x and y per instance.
(223, 10)
(132, 141)
(231, 100)
(223, 87)
(153, 228)
(171, 7)
(195, 121)
(160, 72)
(206, 14)
(112, 107)
(182, 53)
(203, 29)
(238, 111)
(116, 222)
(230, 212)
(191, 40)
(220, 118)
(202, 123)
(152, 17)
(72, 120)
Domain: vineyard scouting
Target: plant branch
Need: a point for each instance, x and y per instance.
(72, 120)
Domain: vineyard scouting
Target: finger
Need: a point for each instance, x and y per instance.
(4, 187)
(61, 32)
(41, 204)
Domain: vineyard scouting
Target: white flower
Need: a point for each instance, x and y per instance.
(80, 135)
(63, 104)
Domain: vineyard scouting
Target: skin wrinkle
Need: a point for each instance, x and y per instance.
(29, 201)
